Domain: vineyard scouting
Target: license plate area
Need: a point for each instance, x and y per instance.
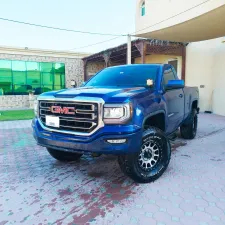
(52, 121)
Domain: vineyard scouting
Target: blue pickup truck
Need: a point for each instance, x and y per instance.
(130, 111)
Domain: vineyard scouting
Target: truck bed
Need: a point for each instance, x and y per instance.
(191, 94)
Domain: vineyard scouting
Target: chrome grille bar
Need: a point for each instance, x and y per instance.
(87, 118)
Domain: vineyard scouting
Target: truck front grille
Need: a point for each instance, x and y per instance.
(83, 119)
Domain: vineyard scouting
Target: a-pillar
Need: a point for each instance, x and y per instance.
(142, 46)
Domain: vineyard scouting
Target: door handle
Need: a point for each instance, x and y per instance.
(181, 95)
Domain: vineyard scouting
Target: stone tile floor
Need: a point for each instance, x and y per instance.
(36, 189)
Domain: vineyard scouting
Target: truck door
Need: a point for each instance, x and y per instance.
(174, 100)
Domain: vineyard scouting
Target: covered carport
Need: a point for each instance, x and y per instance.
(142, 51)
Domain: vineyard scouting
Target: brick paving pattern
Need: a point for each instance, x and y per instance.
(36, 189)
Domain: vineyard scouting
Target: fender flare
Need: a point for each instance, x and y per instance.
(154, 114)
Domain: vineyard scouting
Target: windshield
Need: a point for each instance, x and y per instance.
(125, 76)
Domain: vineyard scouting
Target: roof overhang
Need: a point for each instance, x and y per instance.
(42, 52)
(204, 27)
(153, 46)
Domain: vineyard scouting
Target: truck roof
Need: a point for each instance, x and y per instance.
(141, 65)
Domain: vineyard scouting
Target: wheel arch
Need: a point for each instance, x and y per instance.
(155, 119)
(195, 105)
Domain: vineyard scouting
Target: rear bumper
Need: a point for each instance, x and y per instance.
(96, 143)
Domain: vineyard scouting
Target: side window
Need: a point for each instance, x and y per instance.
(168, 75)
(143, 8)
(174, 64)
(174, 72)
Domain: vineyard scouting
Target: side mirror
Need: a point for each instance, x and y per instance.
(175, 84)
(83, 84)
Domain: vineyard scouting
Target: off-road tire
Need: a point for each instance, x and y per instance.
(189, 129)
(64, 156)
(130, 163)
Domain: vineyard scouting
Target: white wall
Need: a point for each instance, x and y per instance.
(218, 77)
(205, 66)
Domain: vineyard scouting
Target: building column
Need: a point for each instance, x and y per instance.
(142, 46)
(183, 63)
(85, 69)
(106, 57)
(129, 48)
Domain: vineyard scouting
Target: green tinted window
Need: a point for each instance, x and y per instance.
(143, 9)
(18, 66)
(59, 68)
(58, 79)
(5, 82)
(21, 89)
(5, 65)
(33, 66)
(34, 78)
(20, 77)
(46, 88)
(5, 76)
(47, 78)
(46, 67)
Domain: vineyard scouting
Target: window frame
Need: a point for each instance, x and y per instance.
(167, 67)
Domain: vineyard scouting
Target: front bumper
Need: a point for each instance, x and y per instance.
(95, 143)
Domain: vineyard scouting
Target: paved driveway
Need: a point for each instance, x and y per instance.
(36, 189)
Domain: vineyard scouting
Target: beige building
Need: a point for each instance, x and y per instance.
(24, 71)
(180, 20)
(191, 21)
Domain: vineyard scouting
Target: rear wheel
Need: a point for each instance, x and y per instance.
(189, 129)
(151, 161)
(63, 156)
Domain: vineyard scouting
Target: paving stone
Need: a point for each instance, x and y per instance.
(36, 189)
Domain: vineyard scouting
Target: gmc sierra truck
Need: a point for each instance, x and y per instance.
(130, 111)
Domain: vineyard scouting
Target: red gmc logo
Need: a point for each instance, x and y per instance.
(63, 110)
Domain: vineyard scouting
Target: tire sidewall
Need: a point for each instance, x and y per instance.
(160, 139)
(194, 117)
(188, 131)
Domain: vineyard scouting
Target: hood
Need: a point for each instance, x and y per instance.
(107, 94)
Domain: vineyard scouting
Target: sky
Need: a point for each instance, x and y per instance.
(103, 16)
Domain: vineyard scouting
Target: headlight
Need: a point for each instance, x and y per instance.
(113, 113)
(36, 107)
(117, 113)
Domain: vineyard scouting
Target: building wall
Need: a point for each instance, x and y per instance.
(94, 67)
(14, 101)
(163, 59)
(73, 66)
(161, 14)
(218, 80)
(205, 69)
